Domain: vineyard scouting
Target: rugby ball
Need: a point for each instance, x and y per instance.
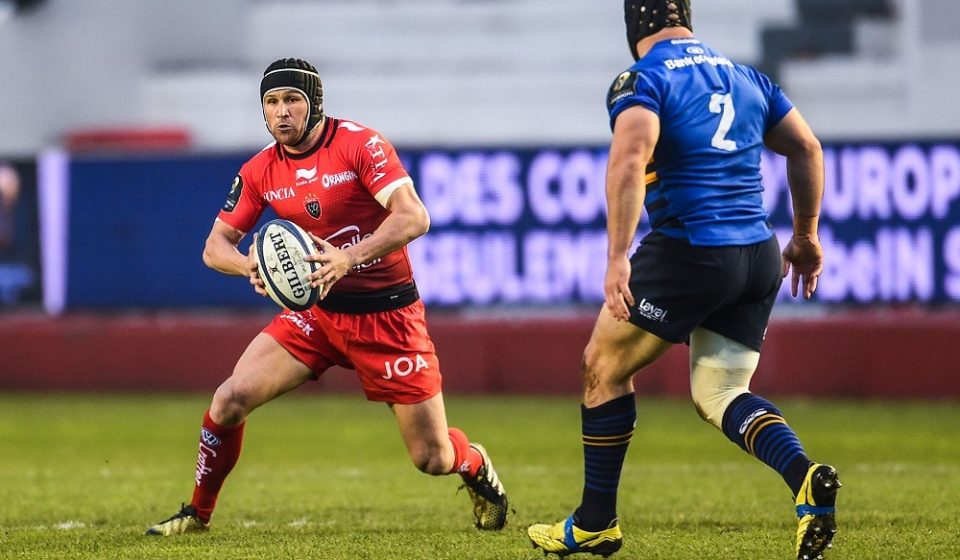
(281, 246)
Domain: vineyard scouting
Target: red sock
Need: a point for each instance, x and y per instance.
(219, 451)
(466, 460)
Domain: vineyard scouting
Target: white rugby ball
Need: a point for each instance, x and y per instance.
(281, 246)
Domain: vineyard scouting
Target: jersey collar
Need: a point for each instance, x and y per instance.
(323, 141)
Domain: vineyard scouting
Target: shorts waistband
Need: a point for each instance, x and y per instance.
(355, 303)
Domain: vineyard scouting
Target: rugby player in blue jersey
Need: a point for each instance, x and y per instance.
(688, 129)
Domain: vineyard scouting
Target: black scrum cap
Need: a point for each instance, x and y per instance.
(646, 17)
(293, 73)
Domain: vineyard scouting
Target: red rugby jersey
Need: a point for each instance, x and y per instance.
(332, 191)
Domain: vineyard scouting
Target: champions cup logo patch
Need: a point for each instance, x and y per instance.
(208, 437)
(624, 86)
(234, 196)
(312, 205)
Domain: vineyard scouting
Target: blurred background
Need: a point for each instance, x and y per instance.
(122, 125)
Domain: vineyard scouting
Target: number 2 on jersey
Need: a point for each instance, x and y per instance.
(722, 103)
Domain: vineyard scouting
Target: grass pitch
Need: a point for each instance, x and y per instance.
(81, 477)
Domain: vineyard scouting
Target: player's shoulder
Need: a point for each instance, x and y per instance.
(643, 74)
(351, 134)
(349, 126)
(351, 130)
(752, 73)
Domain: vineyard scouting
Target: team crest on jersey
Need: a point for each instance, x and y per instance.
(312, 204)
(234, 196)
(624, 86)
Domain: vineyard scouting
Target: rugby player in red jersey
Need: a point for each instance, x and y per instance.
(344, 184)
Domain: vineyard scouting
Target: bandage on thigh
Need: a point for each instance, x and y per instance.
(720, 371)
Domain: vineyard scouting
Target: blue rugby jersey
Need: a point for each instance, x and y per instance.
(703, 183)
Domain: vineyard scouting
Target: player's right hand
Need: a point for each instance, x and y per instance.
(616, 288)
(805, 255)
(252, 272)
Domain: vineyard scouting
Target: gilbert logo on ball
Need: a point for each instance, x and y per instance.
(281, 247)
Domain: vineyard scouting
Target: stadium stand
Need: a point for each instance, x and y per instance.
(455, 72)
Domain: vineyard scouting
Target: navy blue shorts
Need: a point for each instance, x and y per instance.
(728, 290)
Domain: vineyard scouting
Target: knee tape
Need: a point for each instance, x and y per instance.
(720, 371)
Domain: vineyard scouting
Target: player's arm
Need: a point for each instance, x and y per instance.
(221, 254)
(408, 220)
(635, 135)
(792, 137)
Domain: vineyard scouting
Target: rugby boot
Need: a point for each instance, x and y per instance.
(565, 538)
(816, 509)
(487, 493)
(184, 521)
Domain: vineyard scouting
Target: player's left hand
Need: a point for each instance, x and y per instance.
(805, 256)
(616, 288)
(334, 264)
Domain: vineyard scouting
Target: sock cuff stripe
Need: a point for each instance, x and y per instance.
(608, 437)
(608, 441)
(750, 437)
(757, 423)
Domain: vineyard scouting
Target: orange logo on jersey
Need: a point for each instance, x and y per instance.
(312, 204)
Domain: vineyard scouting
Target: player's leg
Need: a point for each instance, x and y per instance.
(423, 427)
(720, 372)
(265, 370)
(439, 450)
(397, 363)
(723, 357)
(616, 351)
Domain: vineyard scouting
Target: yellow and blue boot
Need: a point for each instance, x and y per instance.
(816, 511)
(566, 538)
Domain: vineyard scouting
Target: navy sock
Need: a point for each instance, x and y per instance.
(607, 430)
(758, 427)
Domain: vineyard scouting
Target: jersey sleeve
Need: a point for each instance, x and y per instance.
(777, 102)
(378, 165)
(632, 88)
(244, 205)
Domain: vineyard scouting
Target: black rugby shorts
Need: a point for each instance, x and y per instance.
(728, 290)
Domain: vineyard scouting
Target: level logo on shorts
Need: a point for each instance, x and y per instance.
(651, 311)
(234, 196)
(404, 366)
(624, 86)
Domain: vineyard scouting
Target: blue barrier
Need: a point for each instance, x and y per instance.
(514, 226)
